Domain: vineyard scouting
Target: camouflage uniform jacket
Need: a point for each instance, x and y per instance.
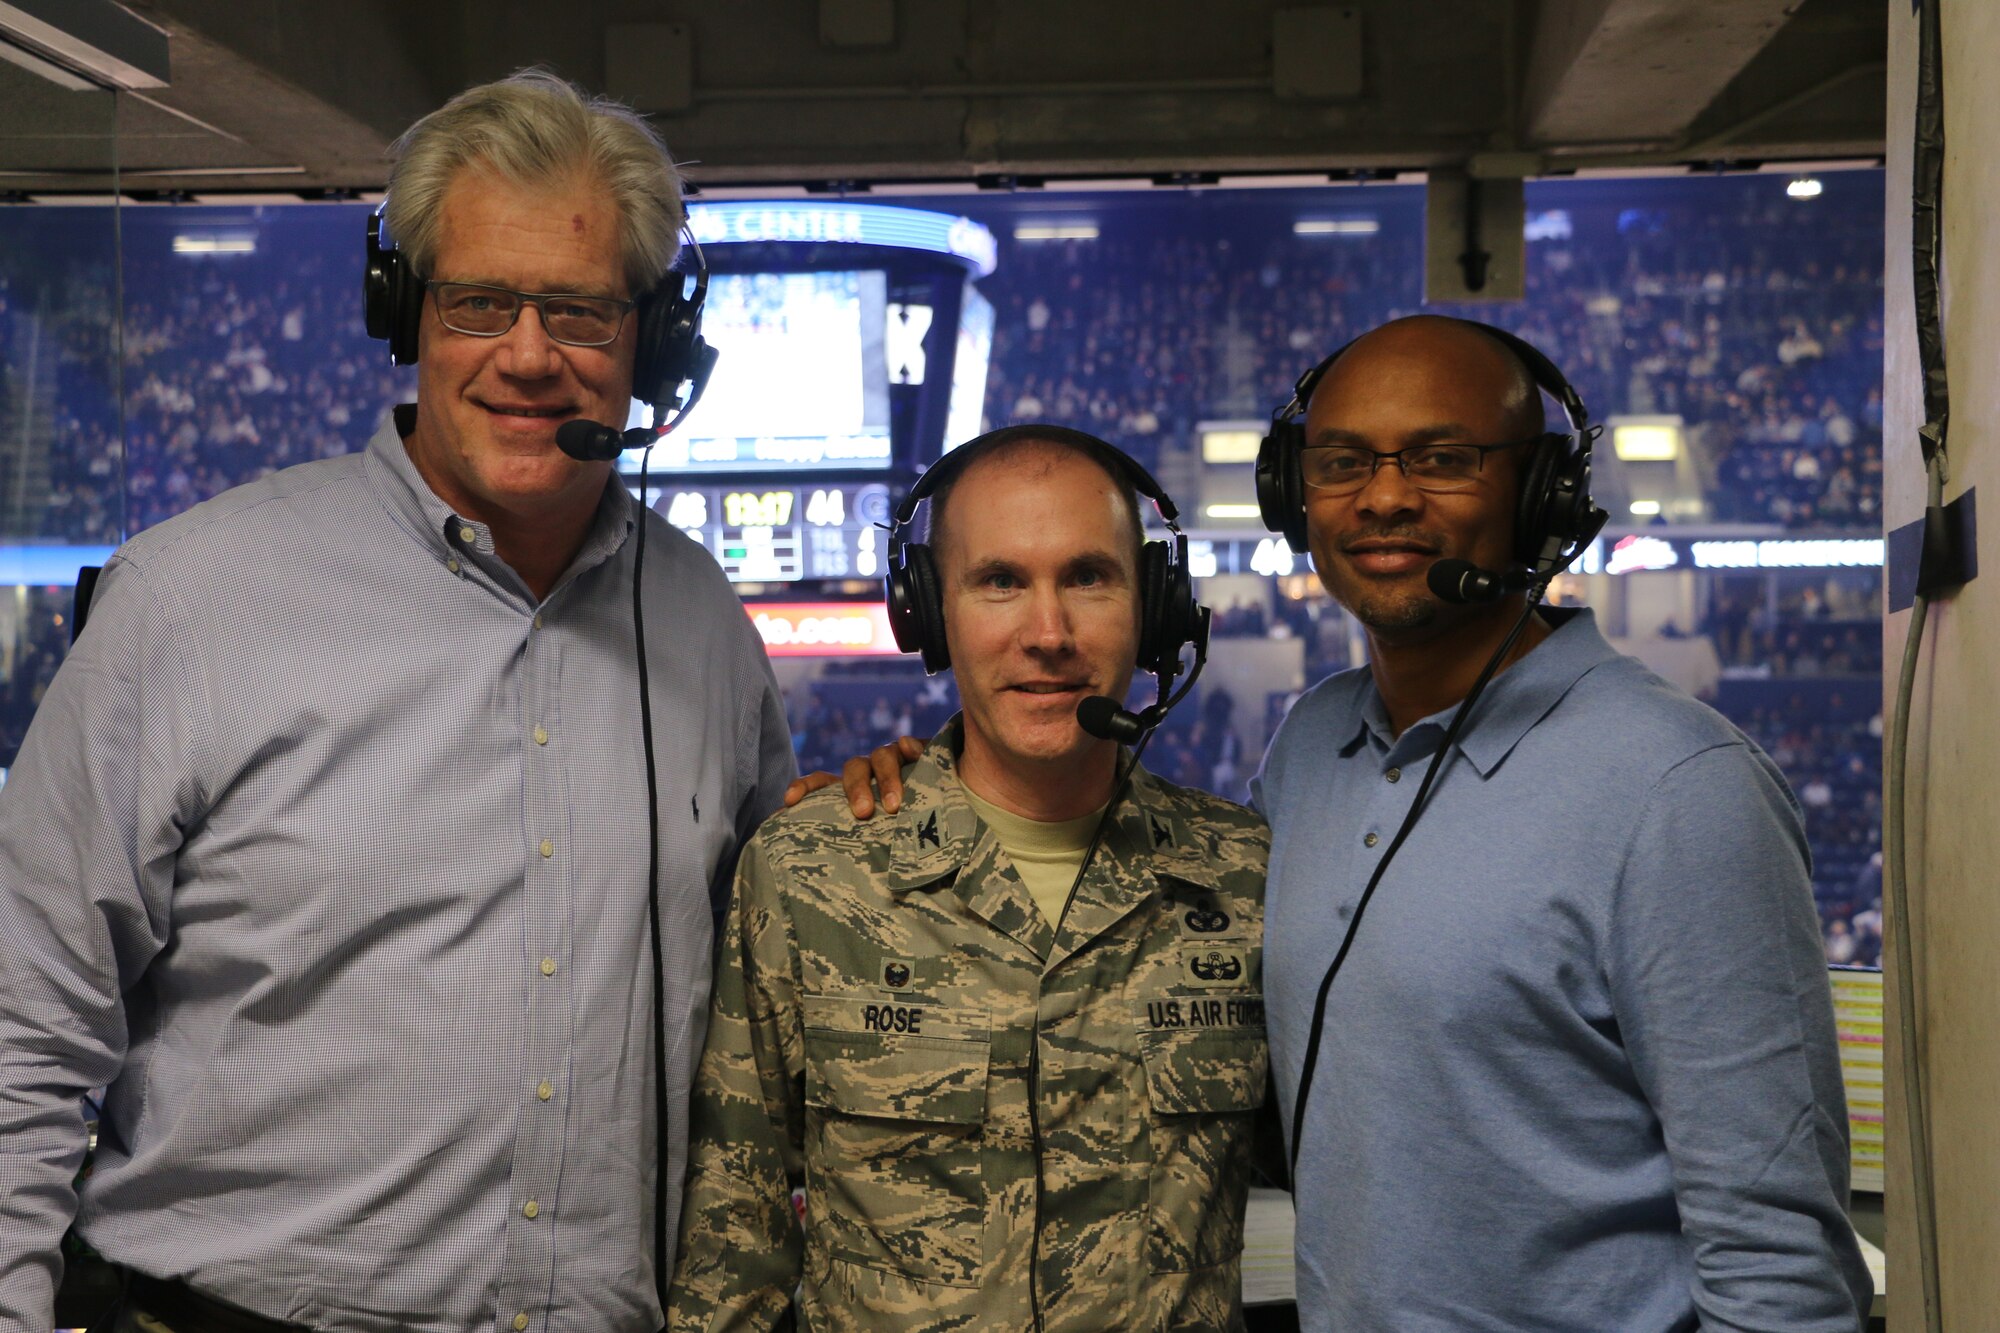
(877, 1006)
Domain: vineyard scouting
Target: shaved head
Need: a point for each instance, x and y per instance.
(1467, 350)
(1023, 447)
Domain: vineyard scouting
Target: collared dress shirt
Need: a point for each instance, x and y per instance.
(1579, 1071)
(326, 852)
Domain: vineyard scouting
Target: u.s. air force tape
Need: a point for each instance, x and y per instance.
(1178, 1012)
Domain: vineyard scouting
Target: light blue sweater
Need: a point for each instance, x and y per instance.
(1579, 1071)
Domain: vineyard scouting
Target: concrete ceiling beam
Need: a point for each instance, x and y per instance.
(1637, 72)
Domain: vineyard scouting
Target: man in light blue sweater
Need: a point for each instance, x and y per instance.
(1578, 1071)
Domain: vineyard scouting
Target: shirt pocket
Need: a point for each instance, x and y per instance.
(1207, 1066)
(895, 1135)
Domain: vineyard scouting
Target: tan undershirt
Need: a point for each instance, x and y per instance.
(1045, 855)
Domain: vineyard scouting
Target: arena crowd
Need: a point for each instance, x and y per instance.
(1756, 318)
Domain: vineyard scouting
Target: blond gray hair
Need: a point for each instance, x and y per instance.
(539, 131)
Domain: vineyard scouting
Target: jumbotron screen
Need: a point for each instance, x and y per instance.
(802, 384)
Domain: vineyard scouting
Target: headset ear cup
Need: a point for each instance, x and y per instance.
(645, 320)
(375, 302)
(1182, 612)
(916, 613)
(1568, 509)
(1295, 493)
(658, 365)
(1281, 501)
(406, 299)
(392, 300)
(1287, 513)
(1154, 607)
(1579, 510)
(1532, 519)
(392, 296)
(900, 600)
(927, 601)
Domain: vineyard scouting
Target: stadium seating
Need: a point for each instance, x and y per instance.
(1757, 320)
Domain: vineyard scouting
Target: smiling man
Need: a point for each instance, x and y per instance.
(1016, 1082)
(327, 851)
(1578, 1072)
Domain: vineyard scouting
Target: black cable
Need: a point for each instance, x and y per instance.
(1035, 1035)
(1927, 223)
(1395, 844)
(1902, 949)
(1926, 214)
(662, 1151)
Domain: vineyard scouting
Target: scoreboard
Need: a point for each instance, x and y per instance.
(771, 532)
(784, 534)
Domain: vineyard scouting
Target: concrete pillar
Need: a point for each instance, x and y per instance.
(1955, 754)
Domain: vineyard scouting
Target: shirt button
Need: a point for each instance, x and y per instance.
(546, 1091)
(1394, 775)
(531, 1210)
(1370, 840)
(538, 620)
(548, 847)
(520, 1321)
(452, 564)
(541, 736)
(467, 535)
(548, 967)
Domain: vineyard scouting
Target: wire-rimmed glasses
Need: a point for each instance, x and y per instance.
(1343, 469)
(488, 312)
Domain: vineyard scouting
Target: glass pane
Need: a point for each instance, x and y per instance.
(1748, 320)
(244, 347)
(61, 463)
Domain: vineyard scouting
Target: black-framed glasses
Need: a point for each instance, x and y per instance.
(1343, 469)
(487, 312)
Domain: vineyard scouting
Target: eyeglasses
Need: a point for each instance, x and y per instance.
(488, 312)
(1343, 469)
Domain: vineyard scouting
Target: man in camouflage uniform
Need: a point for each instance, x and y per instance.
(908, 1024)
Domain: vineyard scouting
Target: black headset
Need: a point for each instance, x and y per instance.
(1556, 516)
(671, 350)
(1169, 617)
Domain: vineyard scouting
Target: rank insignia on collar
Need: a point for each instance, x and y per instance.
(1162, 835)
(896, 972)
(928, 833)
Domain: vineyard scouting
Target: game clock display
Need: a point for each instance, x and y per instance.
(784, 534)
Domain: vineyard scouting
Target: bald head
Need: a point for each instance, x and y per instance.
(1022, 447)
(1435, 348)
